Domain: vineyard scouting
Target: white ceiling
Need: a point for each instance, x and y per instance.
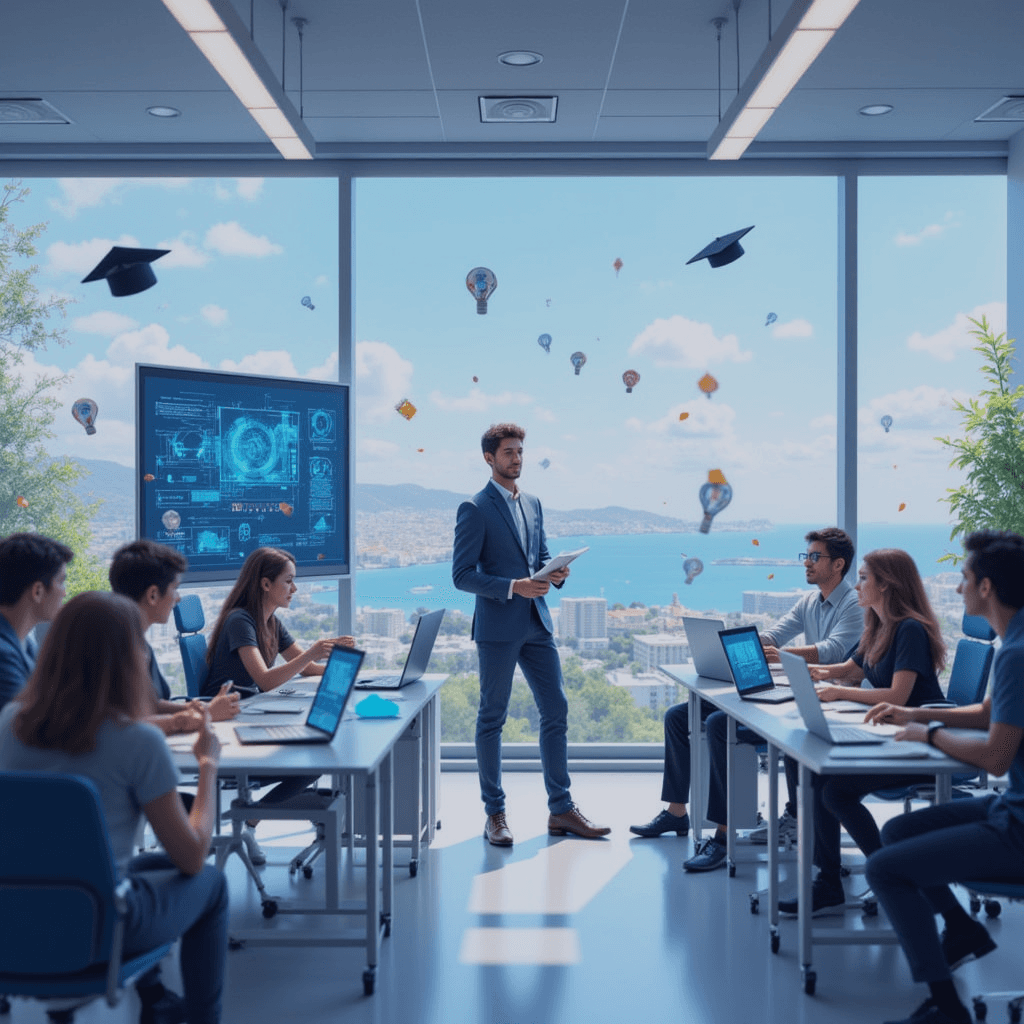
(403, 77)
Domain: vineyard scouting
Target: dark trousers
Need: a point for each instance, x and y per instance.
(922, 854)
(718, 752)
(165, 904)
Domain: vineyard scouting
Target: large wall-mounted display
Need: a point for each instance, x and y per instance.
(229, 462)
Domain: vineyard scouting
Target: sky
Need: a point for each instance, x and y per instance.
(244, 252)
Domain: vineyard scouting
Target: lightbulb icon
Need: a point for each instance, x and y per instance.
(308, 303)
(577, 359)
(481, 283)
(715, 495)
(85, 410)
(692, 567)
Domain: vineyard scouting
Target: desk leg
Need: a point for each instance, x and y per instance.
(417, 829)
(387, 813)
(696, 768)
(730, 786)
(805, 854)
(943, 788)
(332, 855)
(773, 847)
(372, 832)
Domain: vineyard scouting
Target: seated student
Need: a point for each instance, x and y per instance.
(831, 622)
(899, 655)
(149, 574)
(923, 852)
(82, 713)
(32, 573)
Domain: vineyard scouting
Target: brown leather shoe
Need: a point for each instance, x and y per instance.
(573, 821)
(496, 830)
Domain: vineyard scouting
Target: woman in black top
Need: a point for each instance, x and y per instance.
(899, 655)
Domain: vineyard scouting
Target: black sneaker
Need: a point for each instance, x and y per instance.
(708, 856)
(969, 942)
(161, 1006)
(826, 898)
(929, 1013)
(660, 824)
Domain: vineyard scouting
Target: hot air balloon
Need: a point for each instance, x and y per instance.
(85, 410)
(714, 496)
(886, 422)
(545, 342)
(707, 384)
(618, 266)
(481, 283)
(630, 378)
(577, 359)
(692, 567)
(770, 319)
(544, 463)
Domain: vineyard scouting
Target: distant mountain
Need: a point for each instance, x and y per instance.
(407, 497)
(111, 482)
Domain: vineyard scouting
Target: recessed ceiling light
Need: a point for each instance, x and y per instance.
(875, 109)
(520, 58)
(163, 111)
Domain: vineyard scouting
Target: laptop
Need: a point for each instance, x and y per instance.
(324, 714)
(417, 660)
(705, 649)
(750, 672)
(813, 713)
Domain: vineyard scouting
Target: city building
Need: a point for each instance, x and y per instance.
(384, 622)
(583, 617)
(660, 649)
(770, 602)
(625, 620)
(649, 689)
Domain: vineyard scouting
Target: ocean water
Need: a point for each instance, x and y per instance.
(649, 568)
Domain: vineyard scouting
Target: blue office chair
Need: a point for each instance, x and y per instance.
(1014, 892)
(63, 906)
(190, 622)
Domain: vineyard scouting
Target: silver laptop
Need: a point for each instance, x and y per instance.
(812, 712)
(706, 649)
(325, 713)
(418, 658)
(750, 672)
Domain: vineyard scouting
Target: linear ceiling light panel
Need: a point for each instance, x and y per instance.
(223, 39)
(804, 32)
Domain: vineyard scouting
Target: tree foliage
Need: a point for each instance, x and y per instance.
(991, 450)
(28, 407)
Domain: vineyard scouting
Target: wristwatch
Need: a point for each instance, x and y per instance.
(932, 730)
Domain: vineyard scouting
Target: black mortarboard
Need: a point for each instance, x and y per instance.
(127, 271)
(723, 250)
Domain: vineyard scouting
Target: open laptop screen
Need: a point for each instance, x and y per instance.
(332, 694)
(746, 659)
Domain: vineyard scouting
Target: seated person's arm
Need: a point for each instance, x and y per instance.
(181, 718)
(848, 672)
(898, 692)
(297, 660)
(809, 653)
(992, 751)
(312, 669)
(970, 716)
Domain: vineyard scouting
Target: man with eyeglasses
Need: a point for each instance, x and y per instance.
(831, 621)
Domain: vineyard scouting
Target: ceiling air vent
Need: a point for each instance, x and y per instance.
(23, 110)
(517, 109)
(1009, 108)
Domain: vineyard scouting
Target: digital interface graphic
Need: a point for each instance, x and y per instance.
(229, 462)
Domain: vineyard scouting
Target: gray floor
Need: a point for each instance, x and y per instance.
(560, 931)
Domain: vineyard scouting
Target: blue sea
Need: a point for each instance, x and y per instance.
(649, 568)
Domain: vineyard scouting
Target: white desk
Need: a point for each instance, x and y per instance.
(786, 733)
(362, 749)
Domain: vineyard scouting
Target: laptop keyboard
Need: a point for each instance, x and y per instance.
(282, 732)
(852, 734)
(390, 680)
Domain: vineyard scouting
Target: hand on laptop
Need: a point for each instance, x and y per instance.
(890, 713)
(827, 693)
(344, 641)
(226, 705)
(771, 653)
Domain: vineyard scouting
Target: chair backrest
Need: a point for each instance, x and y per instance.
(977, 626)
(189, 620)
(968, 677)
(56, 896)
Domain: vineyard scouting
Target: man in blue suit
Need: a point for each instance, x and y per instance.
(499, 543)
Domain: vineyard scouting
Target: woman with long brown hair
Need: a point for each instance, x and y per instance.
(82, 712)
(899, 656)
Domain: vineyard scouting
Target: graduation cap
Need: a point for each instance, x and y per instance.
(127, 271)
(723, 250)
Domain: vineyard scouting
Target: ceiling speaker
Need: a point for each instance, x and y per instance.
(517, 109)
(22, 110)
(1009, 108)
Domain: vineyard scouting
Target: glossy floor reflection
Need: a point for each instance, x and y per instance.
(566, 931)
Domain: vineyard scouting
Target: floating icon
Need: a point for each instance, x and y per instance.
(285, 508)
(481, 283)
(544, 463)
(618, 266)
(771, 575)
(421, 449)
(692, 567)
(714, 496)
(577, 359)
(171, 520)
(406, 408)
(149, 478)
(903, 505)
(545, 342)
(476, 380)
(630, 378)
(684, 416)
(548, 301)
(707, 384)
(85, 410)
(886, 422)
(21, 502)
(770, 319)
(723, 250)
(320, 557)
(308, 303)
(756, 543)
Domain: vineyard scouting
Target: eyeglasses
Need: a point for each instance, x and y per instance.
(812, 556)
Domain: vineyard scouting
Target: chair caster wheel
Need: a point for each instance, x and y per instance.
(413, 868)
(5, 1004)
(732, 870)
(870, 908)
(975, 905)
(385, 923)
(810, 981)
(269, 908)
(775, 942)
(369, 977)
(980, 1009)
(755, 903)
(307, 871)
(235, 944)
(61, 1016)
(993, 908)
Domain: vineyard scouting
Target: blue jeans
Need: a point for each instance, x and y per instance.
(922, 853)
(165, 904)
(537, 655)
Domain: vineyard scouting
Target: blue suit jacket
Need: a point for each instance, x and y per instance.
(15, 665)
(488, 555)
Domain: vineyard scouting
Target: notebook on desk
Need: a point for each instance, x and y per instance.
(750, 672)
(326, 710)
(418, 658)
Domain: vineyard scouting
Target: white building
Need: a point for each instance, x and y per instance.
(384, 622)
(648, 690)
(770, 602)
(660, 649)
(583, 617)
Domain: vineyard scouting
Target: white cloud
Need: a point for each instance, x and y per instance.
(267, 362)
(183, 253)
(151, 344)
(321, 280)
(104, 321)
(793, 329)
(84, 193)
(231, 239)
(681, 342)
(904, 238)
(327, 370)
(222, 193)
(214, 314)
(923, 408)
(479, 401)
(383, 379)
(945, 344)
(81, 257)
(249, 188)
